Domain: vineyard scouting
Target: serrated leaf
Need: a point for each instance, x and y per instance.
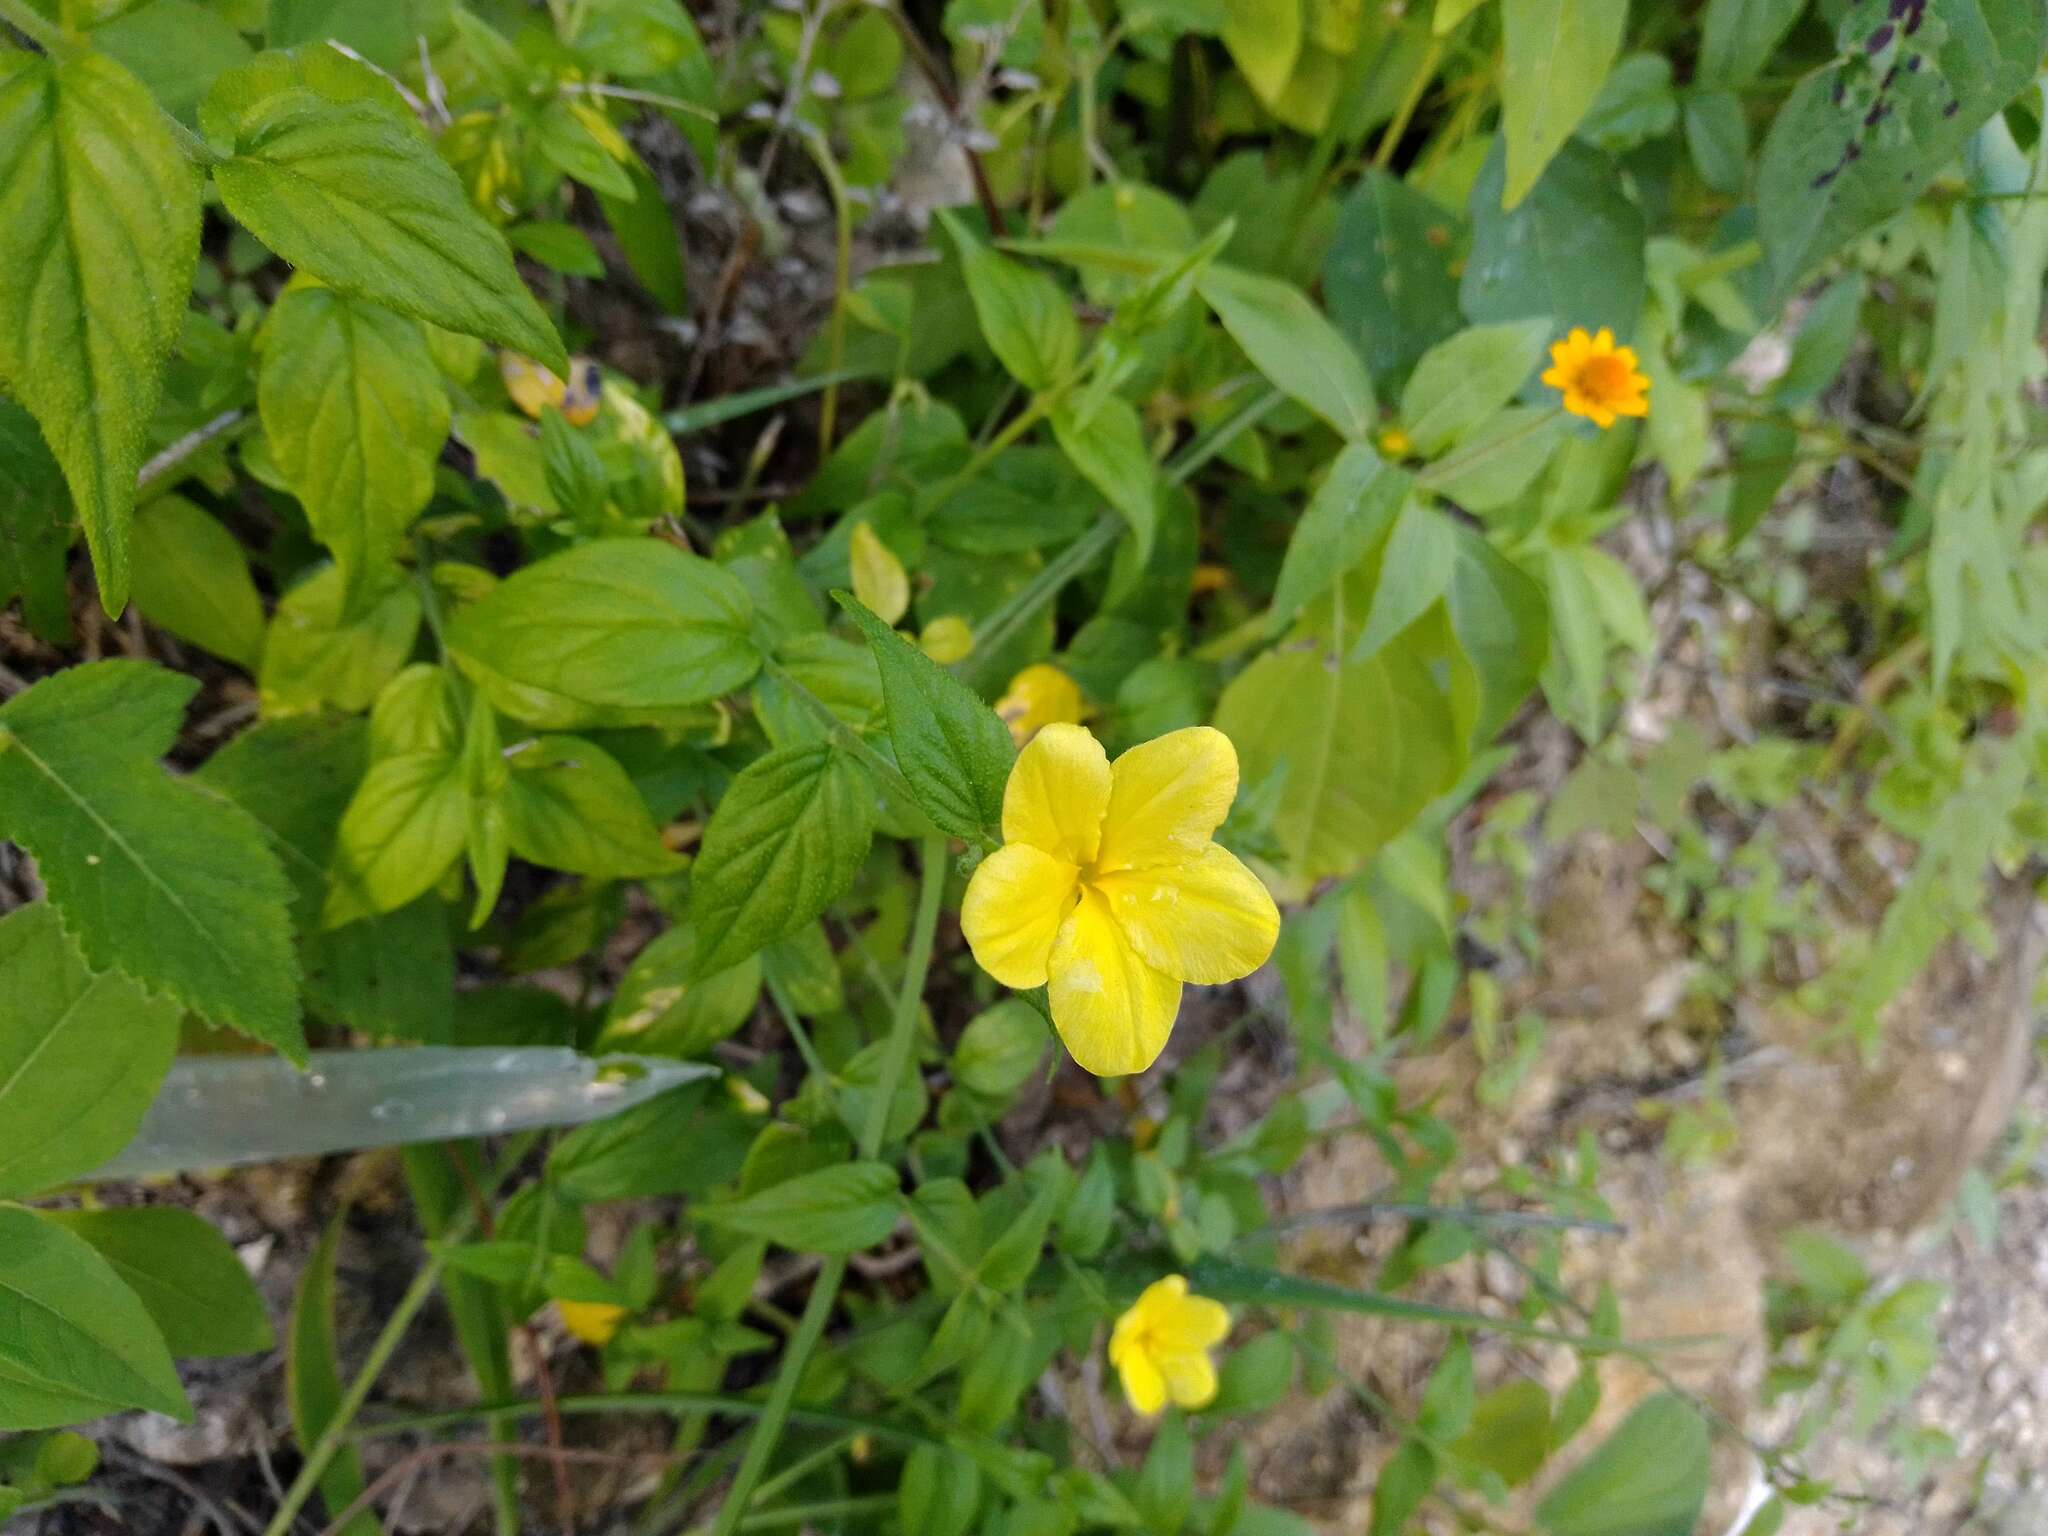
(80, 1055)
(153, 875)
(952, 748)
(1556, 56)
(99, 229)
(786, 840)
(662, 1009)
(616, 626)
(361, 200)
(568, 805)
(75, 1344)
(184, 1274)
(355, 416)
(833, 1210)
(1289, 341)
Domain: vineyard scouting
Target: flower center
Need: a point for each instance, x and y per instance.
(1604, 377)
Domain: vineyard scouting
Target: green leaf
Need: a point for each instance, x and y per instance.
(786, 840)
(1108, 447)
(1298, 713)
(1251, 1285)
(1413, 571)
(35, 527)
(832, 1210)
(184, 1274)
(355, 416)
(939, 1492)
(81, 1055)
(321, 651)
(569, 806)
(1502, 624)
(1350, 513)
(1498, 459)
(1571, 249)
(360, 198)
(1001, 1047)
(1026, 317)
(1404, 1482)
(153, 875)
(1390, 278)
(99, 229)
(408, 821)
(660, 1009)
(192, 579)
(1264, 39)
(633, 1156)
(616, 627)
(1649, 1478)
(391, 975)
(953, 750)
(1462, 382)
(650, 240)
(1826, 174)
(560, 247)
(1717, 138)
(175, 47)
(1165, 1491)
(1289, 341)
(1511, 1434)
(75, 1344)
(1738, 37)
(313, 1378)
(1556, 56)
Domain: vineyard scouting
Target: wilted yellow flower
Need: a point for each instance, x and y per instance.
(1039, 696)
(1600, 380)
(594, 1322)
(947, 639)
(1160, 1348)
(1108, 890)
(879, 580)
(534, 388)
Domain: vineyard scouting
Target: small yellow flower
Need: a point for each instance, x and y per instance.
(1108, 891)
(1396, 444)
(594, 1322)
(1039, 696)
(879, 580)
(1209, 578)
(947, 639)
(1160, 1348)
(534, 388)
(1600, 380)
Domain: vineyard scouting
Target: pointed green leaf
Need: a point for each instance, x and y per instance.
(834, 1210)
(569, 806)
(1557, 54)
(1291, 343)
(1649, 1478)
(192, 579)
(99, 228)
(184, 1274)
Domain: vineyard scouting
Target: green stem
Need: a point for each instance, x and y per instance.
(165, 468)
(592, 1403)
(1024, 604)
(848, 739)
(386, 1345)
(842, 280)
(825, 1292)
(799, 1514)
(58, 42)
(1226, 432)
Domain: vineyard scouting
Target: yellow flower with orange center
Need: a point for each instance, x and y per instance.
(1600, 380)
(1160, 1347)
(1109, 892)
(1039, 696)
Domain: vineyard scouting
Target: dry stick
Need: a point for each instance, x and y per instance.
(949, 103)
(896, 1055)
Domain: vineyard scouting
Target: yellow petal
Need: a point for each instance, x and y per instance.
(594, 1322)
(1015, 904)
(1193, 1323)
(1144, 1387)
(1167, 797)
(1209, 920)
(1057, 794)
(879, 580)
(1112, 1010)
(1190, 1379)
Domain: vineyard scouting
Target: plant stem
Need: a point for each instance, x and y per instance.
(1024, 604)
(55, 40)
(846, 737)
(587, 1404)
(164, 467)
(825, 1292)
(386, 1345)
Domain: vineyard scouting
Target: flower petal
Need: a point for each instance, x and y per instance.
(1112, 1009)
(1167, 797)
(1190, 1379)
(1144, 1386)
(1015, 904)
(1057, 794)
(1193, 1323)
(1208, 921)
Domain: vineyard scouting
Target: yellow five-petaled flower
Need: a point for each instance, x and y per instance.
(1109, 892)
(1600, 380)
(1160, 1348)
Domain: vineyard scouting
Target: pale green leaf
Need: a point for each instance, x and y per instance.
(1649, 1478)
(1557, 54)
(1291, 343)
(321, 652)
(1107, 445)
(659, 1010)
(355, 416)
(1349, 514)
(1460, 383)
(80, 1055)
(153, 875)
(184, 1274)
(1264, 39)
(408, 822)
(833, 1210)
(99, 228)
(192, 579)
(1026, 318)
(568, 805)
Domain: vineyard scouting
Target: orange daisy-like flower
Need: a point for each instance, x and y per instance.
(1600, 380)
